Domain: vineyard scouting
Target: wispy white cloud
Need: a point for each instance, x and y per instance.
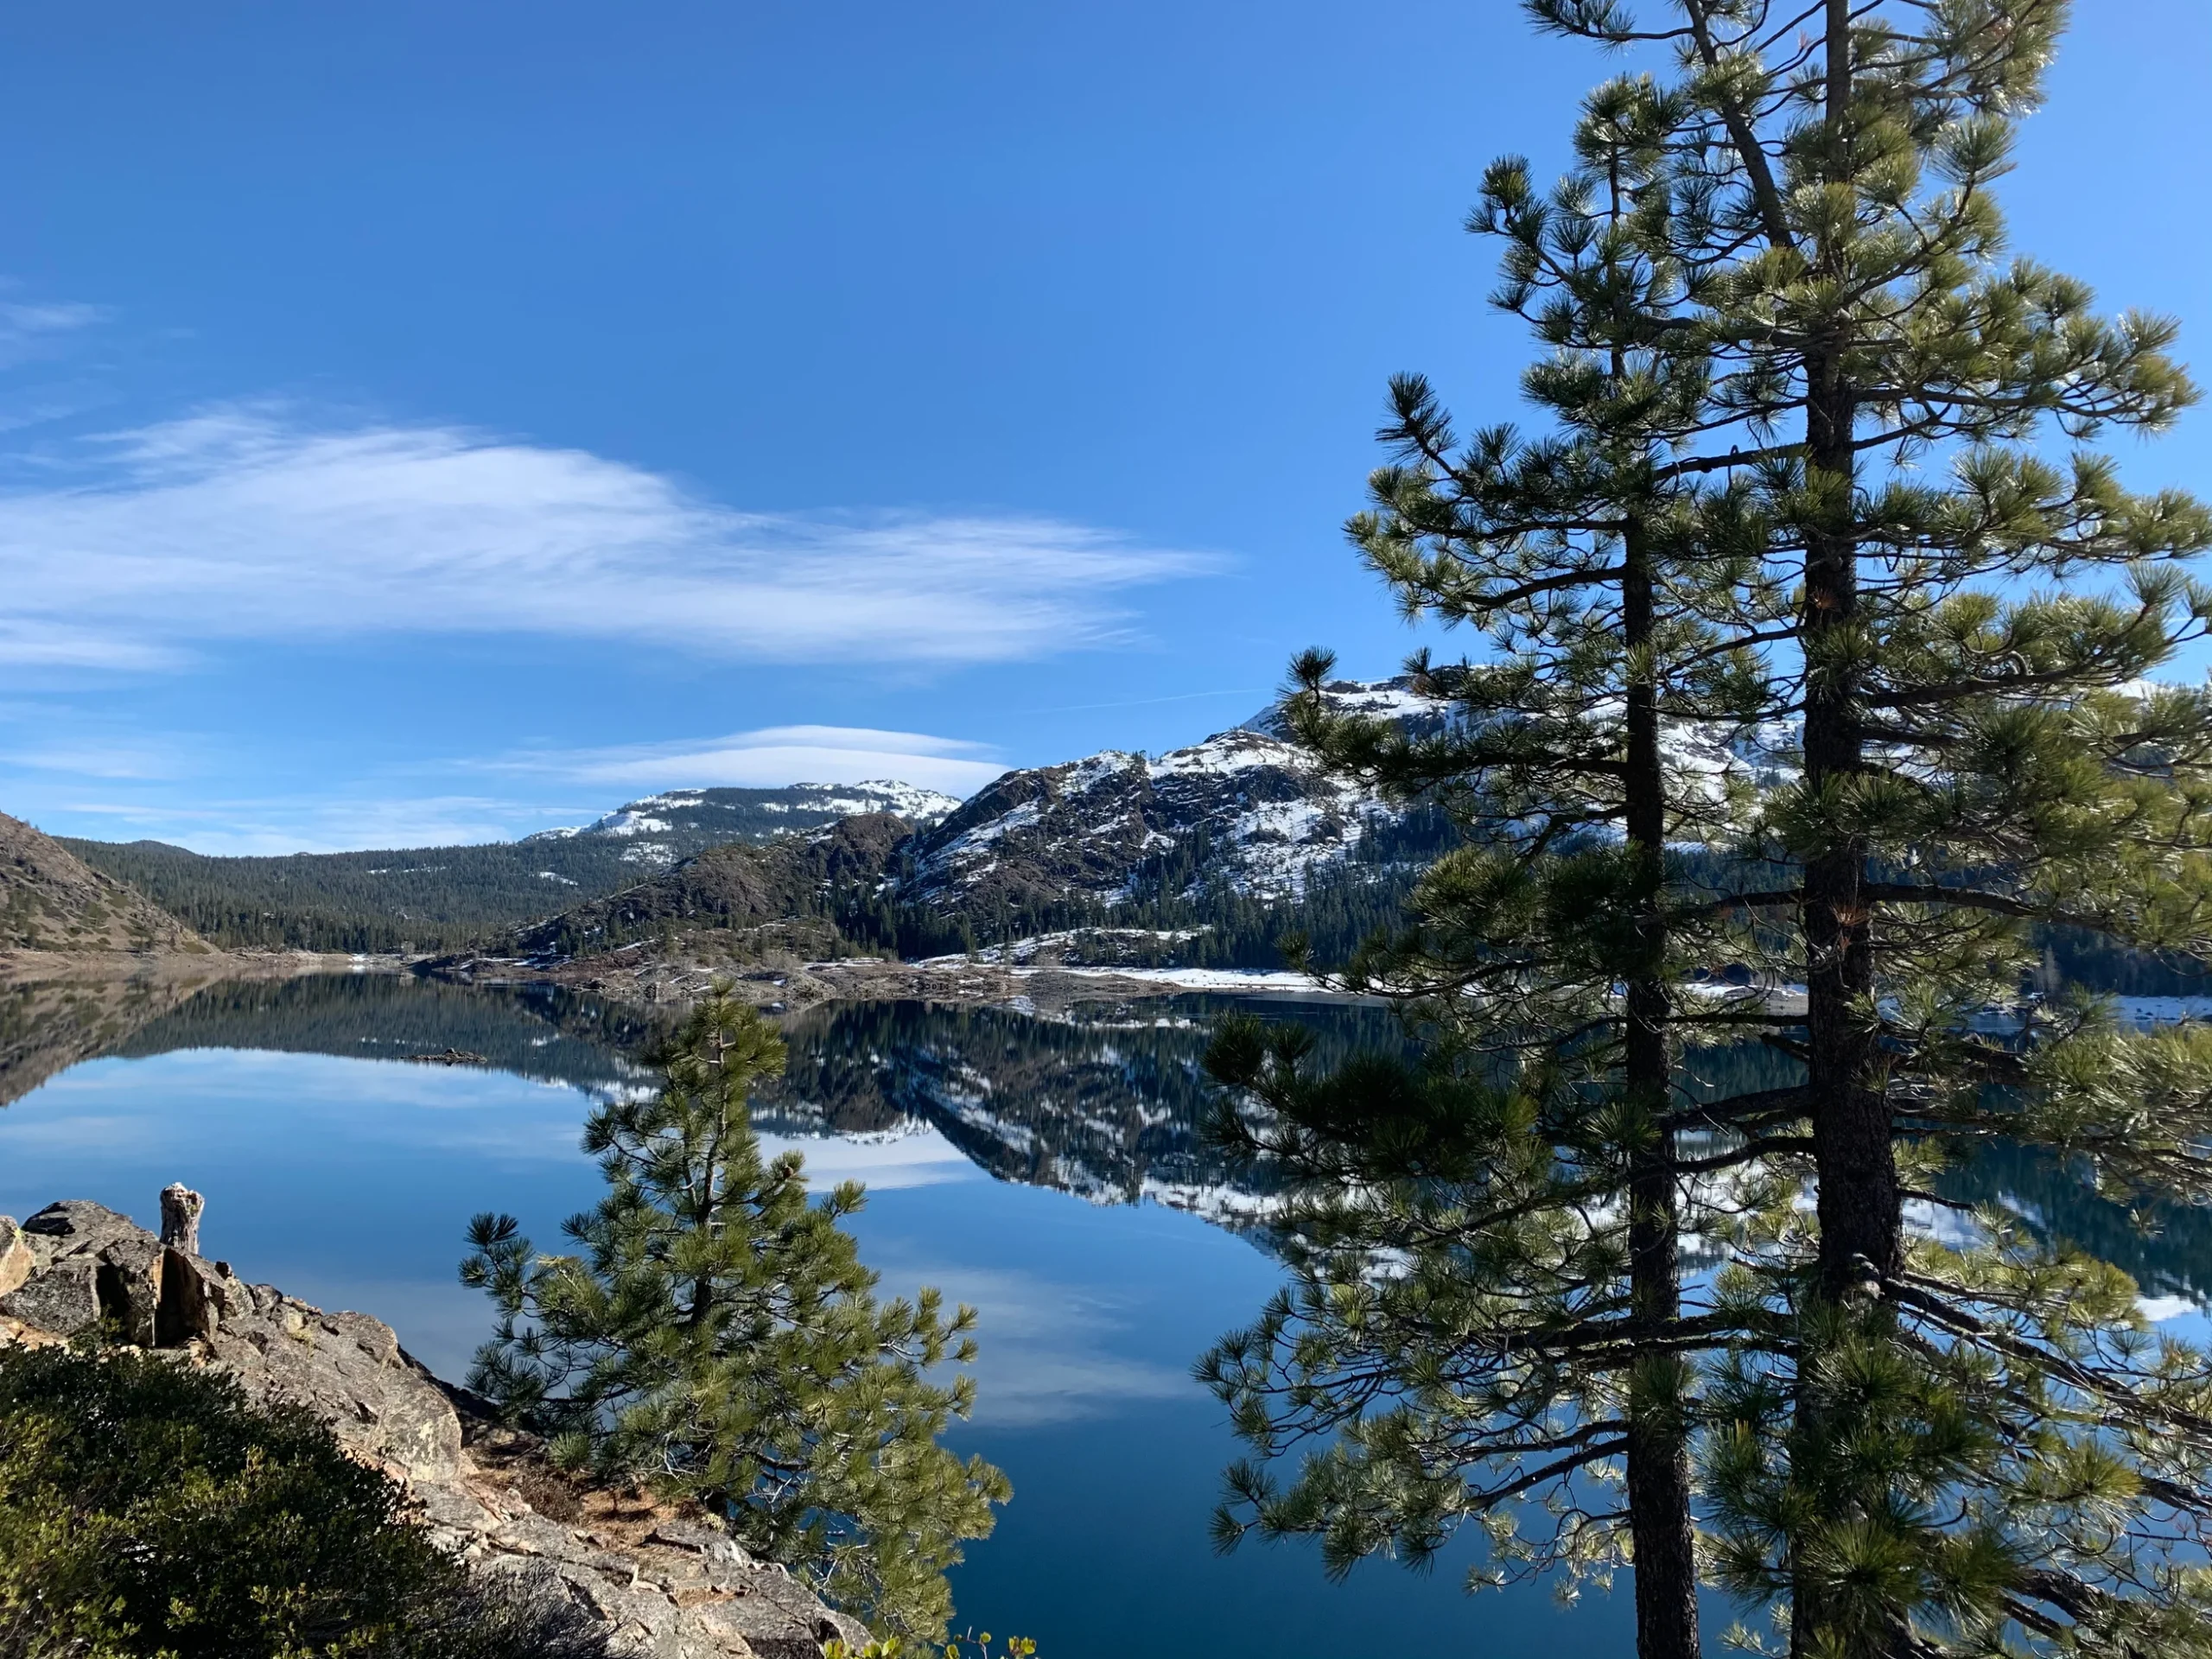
(243, 523)
(770, 757)
(1056, 1345)
(78, 775)
(33, 328)
(132, 763)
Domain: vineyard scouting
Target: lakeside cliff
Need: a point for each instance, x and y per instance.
(661, 1581)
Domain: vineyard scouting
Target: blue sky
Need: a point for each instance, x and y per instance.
(426, 423)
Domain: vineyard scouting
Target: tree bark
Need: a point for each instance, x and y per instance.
(180, 1211)
(1859, 1206)
(1658, 1447)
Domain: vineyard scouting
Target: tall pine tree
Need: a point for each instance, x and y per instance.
(1918, 1445)
(1532, 1175)
(1978, 757)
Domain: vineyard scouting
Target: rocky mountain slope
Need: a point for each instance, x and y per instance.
(1253, 814)
(1245, 814)
(51, 900)
(733, 888)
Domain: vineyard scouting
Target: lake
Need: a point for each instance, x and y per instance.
(1046, 1167)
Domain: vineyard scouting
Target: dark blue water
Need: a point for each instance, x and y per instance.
(999, 1150)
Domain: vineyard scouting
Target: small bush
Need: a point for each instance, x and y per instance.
(149, 1511)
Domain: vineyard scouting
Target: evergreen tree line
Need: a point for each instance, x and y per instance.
(458, 897)
(1813, 471)
(429, 897)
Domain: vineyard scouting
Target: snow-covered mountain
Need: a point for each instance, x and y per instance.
(661, 830)
(1244, 810)
(1221, 835)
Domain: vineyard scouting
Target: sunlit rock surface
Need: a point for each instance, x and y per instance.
(664, 1583)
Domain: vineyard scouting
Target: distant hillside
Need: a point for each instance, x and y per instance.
(738, 887)
(442, 898)
(661, 829)
(1208, 854)
(51, 900)
(427, 897)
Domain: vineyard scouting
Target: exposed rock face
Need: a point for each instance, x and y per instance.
(1264, 815)
(50, 899)
(665, 1585)
(1246, 810)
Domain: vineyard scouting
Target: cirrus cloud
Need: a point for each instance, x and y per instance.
(242, 522)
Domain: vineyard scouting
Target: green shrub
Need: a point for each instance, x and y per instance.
(152, 1511)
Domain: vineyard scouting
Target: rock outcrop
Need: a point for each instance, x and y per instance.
(731, 887)
(665, 1584)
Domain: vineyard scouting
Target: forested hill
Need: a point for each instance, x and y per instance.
(429, 897)
(442, 898)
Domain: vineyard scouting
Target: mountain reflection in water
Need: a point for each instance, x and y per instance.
(350, 1184)
(1104, 1100)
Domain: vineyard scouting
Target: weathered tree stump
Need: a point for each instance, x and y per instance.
(180, 1210)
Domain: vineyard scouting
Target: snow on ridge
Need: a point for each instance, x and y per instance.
(1392, 699)
(874, 794)
(655, 815)
(1273, 816)
(1229, 752)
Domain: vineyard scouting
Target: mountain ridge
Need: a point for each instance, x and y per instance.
(1206, 854)
(663, 827)
(407, 901)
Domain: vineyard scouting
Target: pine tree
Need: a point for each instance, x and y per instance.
(1531, 1176)
(1976, 1437)
(719, 1339)
(1915, 1447)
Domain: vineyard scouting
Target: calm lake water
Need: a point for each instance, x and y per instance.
(1047, 1170)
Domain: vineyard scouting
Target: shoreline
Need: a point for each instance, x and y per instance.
(791, 988)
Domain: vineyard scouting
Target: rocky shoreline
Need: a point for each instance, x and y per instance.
(662, 1582)
(790, 988)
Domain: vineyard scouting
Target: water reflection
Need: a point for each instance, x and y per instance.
(1104, 1100)
(347, 1175)
(349, 1181)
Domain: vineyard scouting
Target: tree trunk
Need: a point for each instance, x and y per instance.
(1859, 1206)
(180, 1212)
(1658, 1447)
